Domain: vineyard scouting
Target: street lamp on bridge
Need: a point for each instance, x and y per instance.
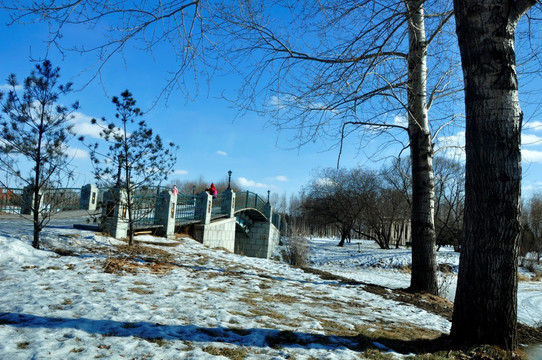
(229, 180)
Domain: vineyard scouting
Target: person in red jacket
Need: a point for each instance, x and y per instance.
(212, 191)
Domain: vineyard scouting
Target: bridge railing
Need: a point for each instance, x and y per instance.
(62, 199)
(186, 208)
(248, 199)
(143, 210)
(218, 208)
(276, 220)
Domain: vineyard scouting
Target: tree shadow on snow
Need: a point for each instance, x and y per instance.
(252, 337)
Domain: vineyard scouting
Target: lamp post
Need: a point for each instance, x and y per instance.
(229, 179)
(268, 192)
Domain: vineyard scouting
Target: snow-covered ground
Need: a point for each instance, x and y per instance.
(202, 303)
(364, 261)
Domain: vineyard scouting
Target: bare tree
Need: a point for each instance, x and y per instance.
(338, 197)
(485, 307)
(37, 128)
(385, 218)
(449, 201)
(532, 222)
(449, 194)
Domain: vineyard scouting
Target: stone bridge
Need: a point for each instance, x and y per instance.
(241, 222)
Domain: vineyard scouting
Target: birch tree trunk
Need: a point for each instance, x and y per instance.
(485, 308)
(421, 153)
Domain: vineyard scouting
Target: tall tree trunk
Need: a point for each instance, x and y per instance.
(424, 276)
(344, 234)
(485, 308)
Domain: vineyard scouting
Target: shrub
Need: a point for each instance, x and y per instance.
(296, 251)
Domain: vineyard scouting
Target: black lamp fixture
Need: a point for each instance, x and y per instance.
(229, 179)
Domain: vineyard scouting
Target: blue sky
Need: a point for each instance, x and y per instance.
(212, 137)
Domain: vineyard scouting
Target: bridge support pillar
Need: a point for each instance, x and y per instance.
(218, 234)
(114, 213)
(165, 209)
(261, 241)
(268, 211)
(28, 200)
(204, 207)
(228, 205)
(89, 197)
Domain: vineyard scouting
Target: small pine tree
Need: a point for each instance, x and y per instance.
(36, 128)
(135, 158)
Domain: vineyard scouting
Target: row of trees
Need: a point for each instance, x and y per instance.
(376, 204)
(531, 236)
(194, 187)
(337, 68)
(36, 129)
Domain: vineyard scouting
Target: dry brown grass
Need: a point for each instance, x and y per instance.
(130, 259)
(280, 298)
(233, 353)
(141, 291)
(129, 265)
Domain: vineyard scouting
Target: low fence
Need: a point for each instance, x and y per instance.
(143, 210)
(247, 199)
(218, 208)
(12, 201)
(186, 208)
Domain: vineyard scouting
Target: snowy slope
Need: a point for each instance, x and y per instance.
(201, 304)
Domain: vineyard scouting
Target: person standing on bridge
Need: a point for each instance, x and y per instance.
(212, 191)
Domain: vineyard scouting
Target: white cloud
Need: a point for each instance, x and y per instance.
(277, 102)
(530, 139)
(325, 182)
(453, 146)
(530, 188)
(453, 140)
(223, 153)
(400, 120)
(244, 182)
(75, 153)
(280, 178)
(533, 125)
(180, 172)
(531, 155)
(7, 87)
(82, 126)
